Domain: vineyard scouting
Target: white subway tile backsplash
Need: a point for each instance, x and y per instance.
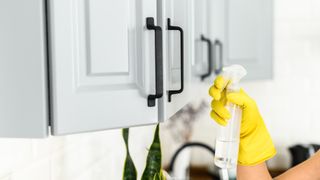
(315, 13)
(71, 161)
(39, 170)
(292, 9)
(6, 177)
(14, 154)
(42, 148)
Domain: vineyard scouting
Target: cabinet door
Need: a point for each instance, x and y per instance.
(178, 54)
(249, 36)
(203, 43)
(103, 64)
(23, 75)
(217, 25)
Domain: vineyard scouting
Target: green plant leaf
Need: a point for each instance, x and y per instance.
(159, 176)
(129, 171)
(153, 165)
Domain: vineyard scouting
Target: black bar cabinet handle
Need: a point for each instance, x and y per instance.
(208, 41)
(158, 62)
(177, 28)
(218, 44)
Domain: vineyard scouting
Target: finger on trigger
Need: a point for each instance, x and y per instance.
(219, 108)
(218, 119)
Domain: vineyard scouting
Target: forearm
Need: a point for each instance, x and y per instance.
(259, 171)
(308, 170)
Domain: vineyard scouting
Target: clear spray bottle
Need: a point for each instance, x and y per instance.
(227, 142)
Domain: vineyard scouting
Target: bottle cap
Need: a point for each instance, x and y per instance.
(234, 74)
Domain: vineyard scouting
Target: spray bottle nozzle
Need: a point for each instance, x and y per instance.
(234, 74)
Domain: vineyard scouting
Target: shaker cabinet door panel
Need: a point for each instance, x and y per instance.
(217, 35)
(23, 75)
(203, 43)
(203, 46)
(249, 36)
(178, 56)
(103, 64)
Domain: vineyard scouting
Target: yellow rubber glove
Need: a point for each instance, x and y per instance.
(256, 145)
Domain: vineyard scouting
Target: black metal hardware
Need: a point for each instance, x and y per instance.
(177, 28)
(218, 43)
(158, 62)
(208, 41)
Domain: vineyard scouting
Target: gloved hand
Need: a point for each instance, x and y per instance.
(256, 145)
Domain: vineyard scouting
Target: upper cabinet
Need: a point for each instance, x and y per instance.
(239, 32)
(88, 65)
(107, 64)
(249, 36)
(23, 69)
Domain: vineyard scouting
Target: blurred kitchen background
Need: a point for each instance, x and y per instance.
(289, 104)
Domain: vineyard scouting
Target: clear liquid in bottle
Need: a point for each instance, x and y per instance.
(226, 157)
(227, 142)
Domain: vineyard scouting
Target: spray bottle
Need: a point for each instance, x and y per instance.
(227, 142)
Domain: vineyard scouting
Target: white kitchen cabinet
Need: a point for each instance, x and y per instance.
(203, 43)
(177, 25)
(23, 69)
(106, 64)
(249, 36)
(240, 32)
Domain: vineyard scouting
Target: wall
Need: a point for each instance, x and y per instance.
(92, 156)
(290, 102)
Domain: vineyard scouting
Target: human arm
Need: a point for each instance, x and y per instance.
(308, 170)
(259, 171)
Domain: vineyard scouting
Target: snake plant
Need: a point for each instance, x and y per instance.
(129, 172)
(153, 169)
(153, 166)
